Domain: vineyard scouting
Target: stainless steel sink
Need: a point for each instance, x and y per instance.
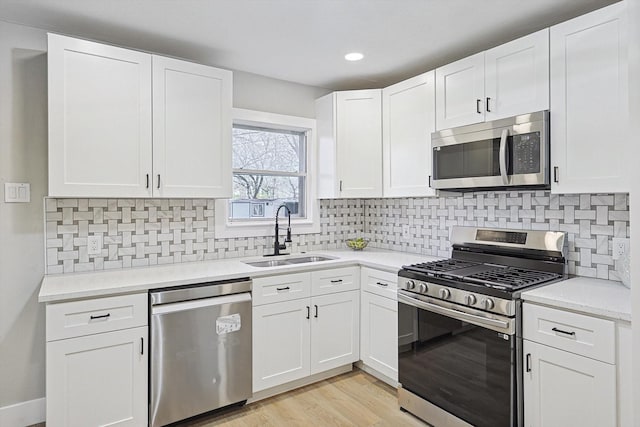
(288, 261)
(306, 259)
(269, 263)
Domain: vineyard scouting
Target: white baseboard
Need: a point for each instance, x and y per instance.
(23, 414)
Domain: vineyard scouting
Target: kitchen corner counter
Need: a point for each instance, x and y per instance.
(605, 298)
(62, 287)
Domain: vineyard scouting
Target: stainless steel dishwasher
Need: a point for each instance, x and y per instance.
(200, 356)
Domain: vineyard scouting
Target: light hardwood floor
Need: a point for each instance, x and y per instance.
(351, 399)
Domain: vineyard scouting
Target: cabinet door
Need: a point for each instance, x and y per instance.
(335, 330)
(460, 92)
(280, 343)
(589, 103)
(98, 380)
(191, 129)
(408, 118)
(517, 77)
(379, 334)
(99, 119)
(564, 389)
(359, 143)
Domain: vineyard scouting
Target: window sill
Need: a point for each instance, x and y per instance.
(225, 229)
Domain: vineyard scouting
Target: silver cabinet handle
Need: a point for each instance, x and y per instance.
(503, 156)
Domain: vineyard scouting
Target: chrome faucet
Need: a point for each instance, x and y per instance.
(277, 247)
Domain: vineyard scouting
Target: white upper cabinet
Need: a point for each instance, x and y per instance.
(102, 102)
(349, 128)
(505, 81)
(589, 103)
(516, 77)
(191, 129)
(460, 92)
(408, 119)
(99, 119)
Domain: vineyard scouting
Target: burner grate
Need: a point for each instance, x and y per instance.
(440, 266)
(511, 277)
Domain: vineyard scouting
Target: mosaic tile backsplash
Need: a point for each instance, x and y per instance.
(140, 232)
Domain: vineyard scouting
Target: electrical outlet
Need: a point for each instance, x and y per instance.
(94, 244)
(620, 247)
(405, 232)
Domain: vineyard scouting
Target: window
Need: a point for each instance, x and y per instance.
(273, 164)
(269, 170)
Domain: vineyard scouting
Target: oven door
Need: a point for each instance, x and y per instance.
(464, 363)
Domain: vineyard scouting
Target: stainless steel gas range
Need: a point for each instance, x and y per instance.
(459, 325)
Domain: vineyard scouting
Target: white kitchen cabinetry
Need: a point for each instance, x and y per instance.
(569, 368)
(281, 343)
(589, 103)
(408, 119)
(565, 389)
(306, 332)
(507, 80)
(97, 361)
(191, 129)
(99, 119)
(349, 126)
(379, 323)
(102, 103)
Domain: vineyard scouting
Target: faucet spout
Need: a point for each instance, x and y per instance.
(277, 247)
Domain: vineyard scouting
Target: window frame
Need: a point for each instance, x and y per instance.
(226, 228)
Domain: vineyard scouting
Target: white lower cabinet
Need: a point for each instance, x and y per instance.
(379, 334)
(97, 362)
(304, 335)
(98, 380)
(281, 343)
(335, 330)
(565, 389)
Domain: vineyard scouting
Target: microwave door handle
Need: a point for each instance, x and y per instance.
(503, 156)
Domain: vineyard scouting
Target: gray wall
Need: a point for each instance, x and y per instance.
(23, 158)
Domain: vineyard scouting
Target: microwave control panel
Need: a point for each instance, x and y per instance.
(526, 153)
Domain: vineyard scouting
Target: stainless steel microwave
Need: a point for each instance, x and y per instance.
(512, 152)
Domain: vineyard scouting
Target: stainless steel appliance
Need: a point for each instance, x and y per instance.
(512, 152)
(459, 323)
(200, 356)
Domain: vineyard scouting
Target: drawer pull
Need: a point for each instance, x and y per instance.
(560, 331)
(382, 284)
(102, 316)
(286, 288)
(337, 281)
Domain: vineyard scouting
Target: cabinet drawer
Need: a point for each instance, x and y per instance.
(285, 287)
(380, 283)
(86, 317)
(335, 280)
(577, 333)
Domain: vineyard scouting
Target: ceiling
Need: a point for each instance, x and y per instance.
(303, 41)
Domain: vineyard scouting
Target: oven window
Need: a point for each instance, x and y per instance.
(462, 368)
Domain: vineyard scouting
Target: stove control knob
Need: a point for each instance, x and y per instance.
(488, 303)
(470, 299)
(423, 288)
(445, 293)
(410, 284)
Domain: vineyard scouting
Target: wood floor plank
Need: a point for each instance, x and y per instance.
(353, 399)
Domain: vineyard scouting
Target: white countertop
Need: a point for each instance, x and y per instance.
(61, 287)
(598, 297)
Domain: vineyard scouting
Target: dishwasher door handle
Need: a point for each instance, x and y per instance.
(207, 302)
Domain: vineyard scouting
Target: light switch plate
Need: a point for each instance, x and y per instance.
(15, 192)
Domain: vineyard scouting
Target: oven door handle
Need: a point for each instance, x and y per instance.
(493, 324)
(503, 156)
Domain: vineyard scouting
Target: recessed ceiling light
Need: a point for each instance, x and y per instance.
(353, 56)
